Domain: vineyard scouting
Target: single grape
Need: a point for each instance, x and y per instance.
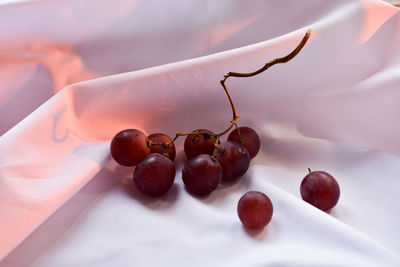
(255, 210)
(320, 189)
(202, 143)
(155, 175)
(201, 175)
(166, 150)
(249, 139)
(129, 147)
(233, 158)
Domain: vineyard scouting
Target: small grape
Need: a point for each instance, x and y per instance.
(202, 143)
(201, 175)
(155, 175)
(255, 210)
(249, 139)
(129, 147)
(320, 189)
(162, 149)
(234, 160)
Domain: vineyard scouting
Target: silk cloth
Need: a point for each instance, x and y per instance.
(74, 73)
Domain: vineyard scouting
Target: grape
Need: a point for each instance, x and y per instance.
(249, 139)
(233, 158)
(162, 149)
(155, 175)
(320, 189)
(255, 210)
(202, 143)
(129, 147)
(201, 175)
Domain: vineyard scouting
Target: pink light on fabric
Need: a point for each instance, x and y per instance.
(93, 68)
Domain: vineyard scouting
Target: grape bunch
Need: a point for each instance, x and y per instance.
(210, 162)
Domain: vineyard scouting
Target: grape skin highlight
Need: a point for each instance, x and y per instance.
(201, 175)
(129, 147)
(155, 175)
(320, 189)
(234, 160)
(255, 209)
(197, 144)
(162, 138)
(249, 139)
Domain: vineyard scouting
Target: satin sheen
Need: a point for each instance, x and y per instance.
(74, 73)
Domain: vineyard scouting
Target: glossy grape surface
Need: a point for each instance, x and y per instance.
(249, 139)
(160, 149)
(129, 147)
(198, 144)
(320, 189)
(155, 175)
(201, 175)
(234, 160)
(255, 209)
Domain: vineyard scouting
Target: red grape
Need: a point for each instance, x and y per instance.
(129, 147)
(162, 149)
(202, 143)
(249, 139)
(201, 175)
(320, 189)
(155, 175)
(255, 210)
(234, 160)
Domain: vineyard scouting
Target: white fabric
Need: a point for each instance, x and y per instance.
(65, 202)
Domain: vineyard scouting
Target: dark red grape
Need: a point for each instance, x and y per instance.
(155, 175)
(129, 147)
(249, 139)
(162, 149)
(201, 175)
(320, 189)
(233, 158)
(255, 210)
(202, 143)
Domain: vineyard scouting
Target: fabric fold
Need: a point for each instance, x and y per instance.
(333, 107)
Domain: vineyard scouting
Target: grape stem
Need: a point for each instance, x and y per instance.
(235, 117)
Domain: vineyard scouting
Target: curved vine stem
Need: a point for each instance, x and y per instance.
(235, 117)
(284, 59)
(272, 62)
